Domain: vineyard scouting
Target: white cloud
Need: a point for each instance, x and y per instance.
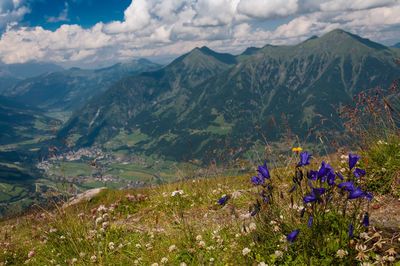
(267, 8)
(12, 11)
(63, 16)
(171, 27)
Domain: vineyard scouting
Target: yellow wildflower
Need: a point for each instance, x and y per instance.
(298, 149)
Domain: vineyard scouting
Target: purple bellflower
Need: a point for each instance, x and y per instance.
(347, 186)
(304, 159)
(331, 178)
(223, 200)
(312, 175)
(292, 236)
(357, 193)
(353, 159)
(264, 171)
(359, 172)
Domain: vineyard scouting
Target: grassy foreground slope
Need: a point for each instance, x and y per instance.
(183, 224)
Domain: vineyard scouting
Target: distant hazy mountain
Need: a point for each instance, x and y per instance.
(204, 96)
(10, 74)
(397, 45)
(69, 89)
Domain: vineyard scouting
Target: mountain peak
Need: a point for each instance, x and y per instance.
(342, 35)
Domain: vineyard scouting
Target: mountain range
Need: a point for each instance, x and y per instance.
(203, 97)
(11, 74)
(70, 89)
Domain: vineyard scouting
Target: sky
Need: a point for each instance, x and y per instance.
(96, 33)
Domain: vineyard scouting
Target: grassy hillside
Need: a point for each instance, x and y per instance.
(190, 223)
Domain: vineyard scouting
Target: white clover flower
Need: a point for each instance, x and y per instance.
(73, 260)
(341, 253)
(246, 251)
(199, 238)
(53, 230)
(154, 264)
(278, 254)
(31, 254)
(111, 245)
(172, 248)
(276, 228)
(138, 245)
(262, 264)
(272, 222)
(93, 258)
(82, 254)
(211, 259)
(102, 208)
(183, 264)
(164, 260)
(391, 258)
(237, 235)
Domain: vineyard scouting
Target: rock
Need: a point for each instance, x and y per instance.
(87, 195)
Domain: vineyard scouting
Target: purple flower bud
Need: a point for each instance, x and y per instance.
(365, 221)
(351, 231)
(304, 159)
(310, 221)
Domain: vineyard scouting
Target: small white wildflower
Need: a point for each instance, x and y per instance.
(342, 170)
(53, 230)
(31, 254)
(202, 244)
(364, 235)
(278, 254)
(105, 224)
(74, 260)
(341, 253)
(164, 260)
(383, 169)
(154, 264)
(93, 258)
(176, 192)
(237, 235)
(391, 258)
(199, 238)
(62, 237)
(272, 222)
(276, 228)
(102, 208)
(343, 156)
(120, 246)
(138, 245)
(211, 259)
(111, 245)
(281, 216)
(246, 251)
(391, 252)
(236, 194)
(99, 220)
(283, 238)
(361, 256)
(183, 264)
(172, 248)
(252, 226)
(82, 254)
(361, 247)
(262, 264)
(136, 262)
